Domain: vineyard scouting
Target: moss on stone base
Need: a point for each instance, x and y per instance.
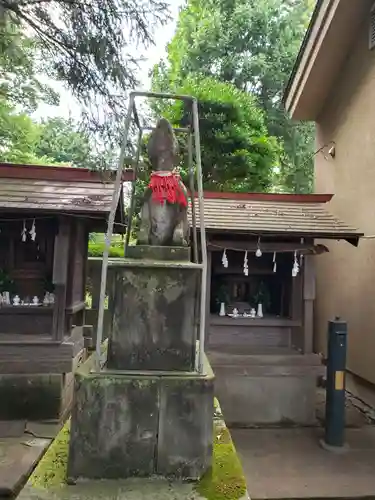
(51, 470)
(225, 480)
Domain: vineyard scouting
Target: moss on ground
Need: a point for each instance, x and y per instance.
(225, 480)
(51, 470)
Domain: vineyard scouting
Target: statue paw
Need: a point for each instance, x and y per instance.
(179, 237)
(142, 238)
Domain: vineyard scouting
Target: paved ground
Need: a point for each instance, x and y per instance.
(358, 414)
(290, 464)
(22, 445)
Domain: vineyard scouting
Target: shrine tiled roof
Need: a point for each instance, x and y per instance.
(34, 194)
(57, 189)
(257, 214)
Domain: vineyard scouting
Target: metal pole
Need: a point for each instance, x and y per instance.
(202, 323)
(132, 201)
(108, 238)
(335, 391)
(194, 226)
(192, 194)
(136, 117)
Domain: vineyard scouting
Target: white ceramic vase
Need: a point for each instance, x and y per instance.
(260, 311)
(222, 309)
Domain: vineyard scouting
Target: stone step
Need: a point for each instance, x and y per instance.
(18, 458)
(272, 356)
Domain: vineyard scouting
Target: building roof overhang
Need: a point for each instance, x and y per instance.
(331, 32)
(62, 191)
(273, 215)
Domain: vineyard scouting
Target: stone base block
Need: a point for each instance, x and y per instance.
(272, 393)
(32, 397)
(37, 396)
(137, 425)
(154, 315)
(158, 253)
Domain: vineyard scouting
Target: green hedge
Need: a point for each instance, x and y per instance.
(97, 249)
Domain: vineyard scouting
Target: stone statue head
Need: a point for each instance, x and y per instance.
(163, 147)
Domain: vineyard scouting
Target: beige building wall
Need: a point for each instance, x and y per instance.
(346, 276)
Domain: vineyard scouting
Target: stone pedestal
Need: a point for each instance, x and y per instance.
(147, 411)
(154, 316)
(127, 424)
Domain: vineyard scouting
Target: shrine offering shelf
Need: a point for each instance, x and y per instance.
(26, 310)
(28, 320)
(241, 321)
(268, 332)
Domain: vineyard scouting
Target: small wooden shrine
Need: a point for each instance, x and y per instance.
(260, 301)
(46, 215)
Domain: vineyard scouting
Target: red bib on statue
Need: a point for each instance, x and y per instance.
(167, 186)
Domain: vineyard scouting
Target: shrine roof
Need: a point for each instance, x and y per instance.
(274, 215)
(56, 189)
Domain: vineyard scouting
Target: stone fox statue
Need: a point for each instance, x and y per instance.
(164, 212)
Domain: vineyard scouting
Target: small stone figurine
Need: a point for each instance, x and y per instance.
(16, 300)
(46, 299)
(35, 301)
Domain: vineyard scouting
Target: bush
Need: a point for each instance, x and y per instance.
(96, 249)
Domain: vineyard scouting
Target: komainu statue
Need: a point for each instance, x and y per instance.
(164, 219)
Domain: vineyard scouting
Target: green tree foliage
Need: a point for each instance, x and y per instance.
(60, 139)
(19, 137)
(23, 140)
(252, 45)
(55, 141)
(20, 92)
(66, 142)
(86, 43)
(19, 85)
(237, 152)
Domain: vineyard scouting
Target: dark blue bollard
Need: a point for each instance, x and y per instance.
(335, 391)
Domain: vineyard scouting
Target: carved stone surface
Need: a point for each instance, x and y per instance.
(114, 427)
(134, 424)
(154, 316)
(163, 223)
(185, 429)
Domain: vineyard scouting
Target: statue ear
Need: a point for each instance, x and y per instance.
(187, 115)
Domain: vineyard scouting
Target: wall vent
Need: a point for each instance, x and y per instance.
(372, 28)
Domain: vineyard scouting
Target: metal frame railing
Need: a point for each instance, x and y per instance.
(192, 132)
